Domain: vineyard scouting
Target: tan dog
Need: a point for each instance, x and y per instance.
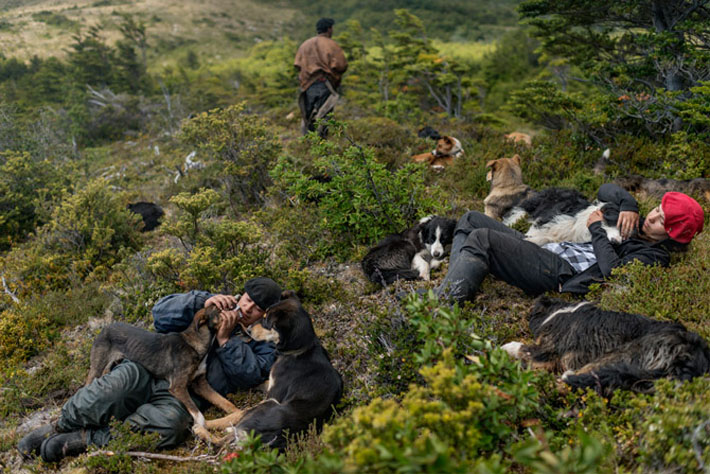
(507, 187)
(519, 137)
(447, 148)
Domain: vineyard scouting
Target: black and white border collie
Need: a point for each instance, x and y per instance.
(412, 254)
(558, 215)
(605, 350)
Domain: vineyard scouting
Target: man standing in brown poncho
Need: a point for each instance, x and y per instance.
(321, 64)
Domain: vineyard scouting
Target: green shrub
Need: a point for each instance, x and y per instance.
(92, 226)
(360, 201)
(451, 424)
(27, 189)
(242, 150)
(387, 138)
(218, 254)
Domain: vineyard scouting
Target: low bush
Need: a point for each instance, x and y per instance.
(357, 199)
(242, 149)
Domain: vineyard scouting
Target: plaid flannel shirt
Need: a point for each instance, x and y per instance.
(580, 256)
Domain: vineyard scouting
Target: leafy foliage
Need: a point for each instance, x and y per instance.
(359, 200)
(242, 148)
(27, 188)
(647, 53)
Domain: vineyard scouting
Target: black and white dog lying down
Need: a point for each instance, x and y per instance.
(605, 350)
(558, 215)
(411, 254)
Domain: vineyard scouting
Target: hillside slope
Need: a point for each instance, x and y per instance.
(45, 28)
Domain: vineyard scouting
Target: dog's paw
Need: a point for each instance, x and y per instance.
(567, 375)
(201, 432)
(513, 349)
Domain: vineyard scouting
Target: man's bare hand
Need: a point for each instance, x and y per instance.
(627, 223)
(228, 321)
(595, 216)
(222, 302)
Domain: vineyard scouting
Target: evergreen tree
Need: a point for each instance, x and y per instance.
(648, 54)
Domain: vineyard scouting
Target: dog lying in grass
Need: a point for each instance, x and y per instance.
(606, 350)
(178, 357)
(447, 148)
(411, 254)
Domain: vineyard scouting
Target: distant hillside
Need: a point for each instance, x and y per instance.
(45, 27)
(221, 28)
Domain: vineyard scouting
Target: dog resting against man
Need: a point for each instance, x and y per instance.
(554, 214)
(411, 254)
(303, 386)
(605, 350)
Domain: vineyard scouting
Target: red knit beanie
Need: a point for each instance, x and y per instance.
(683, 216)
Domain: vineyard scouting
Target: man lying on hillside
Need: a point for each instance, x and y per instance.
(483, 245)
(129, 393)
(320, 63)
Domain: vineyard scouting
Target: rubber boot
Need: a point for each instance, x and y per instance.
(463, 279)
(60, 445)
(29, 445)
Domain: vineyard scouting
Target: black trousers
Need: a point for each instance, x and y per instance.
(310, 102)
(483, 245)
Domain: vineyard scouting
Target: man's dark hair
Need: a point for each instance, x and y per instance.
(323, 25)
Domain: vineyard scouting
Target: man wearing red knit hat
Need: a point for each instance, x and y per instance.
(483, 245)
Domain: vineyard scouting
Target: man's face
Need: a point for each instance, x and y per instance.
(250, 310)
(653, 226)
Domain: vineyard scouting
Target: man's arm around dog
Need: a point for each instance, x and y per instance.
(238, 364)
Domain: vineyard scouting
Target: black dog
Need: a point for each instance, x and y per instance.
(303, 385)
(411, 254)
(178, 357)
(608, 349)
(150, 212)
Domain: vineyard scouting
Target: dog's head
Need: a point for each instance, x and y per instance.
(449, 146)
(505, 172)
(437, 233)
(210, 317)
(286, 324)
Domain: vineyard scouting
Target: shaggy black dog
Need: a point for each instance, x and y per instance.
(608, 349)
(411, 254)
(150, 212)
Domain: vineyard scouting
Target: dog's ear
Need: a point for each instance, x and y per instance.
(492, 164)
(516, 159)
(201, 317)
(288, 294)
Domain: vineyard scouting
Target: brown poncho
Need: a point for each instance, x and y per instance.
(320, 56)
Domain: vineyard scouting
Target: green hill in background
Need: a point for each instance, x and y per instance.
(213, 29)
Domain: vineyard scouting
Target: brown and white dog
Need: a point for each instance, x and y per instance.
(178, 357)
(609, 349)
(447, 148)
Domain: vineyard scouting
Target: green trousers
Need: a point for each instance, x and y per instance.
(128, 393)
